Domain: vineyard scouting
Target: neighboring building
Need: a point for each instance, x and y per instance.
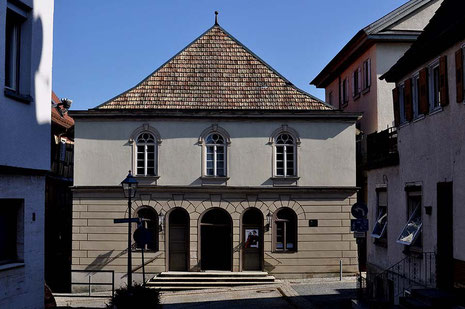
(25, 77)
(58, 203)
(221, 145)
(416, 207)
(351, 83)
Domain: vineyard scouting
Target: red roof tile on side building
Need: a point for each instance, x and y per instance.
(215, 72)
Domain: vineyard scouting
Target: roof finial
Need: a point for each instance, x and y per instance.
(216, 17)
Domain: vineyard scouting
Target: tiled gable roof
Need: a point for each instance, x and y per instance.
(215, 72)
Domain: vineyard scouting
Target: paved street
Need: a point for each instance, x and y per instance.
(310, 293)
(328, 294)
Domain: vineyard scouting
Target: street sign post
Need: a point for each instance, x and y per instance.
(142, 236)
(359, 210)
(359, 225)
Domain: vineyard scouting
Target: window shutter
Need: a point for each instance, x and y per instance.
(353, 84)
(369, 73)
(423, 92)
(395, 100)
(359, 80)
(459, 74)
(408, 100)
(443, 85)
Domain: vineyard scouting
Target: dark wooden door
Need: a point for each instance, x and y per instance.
(252, 239)
(178, 240)
(445, 234)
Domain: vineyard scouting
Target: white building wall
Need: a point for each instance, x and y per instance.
(431, 151)
(25, 143)
(326, 155)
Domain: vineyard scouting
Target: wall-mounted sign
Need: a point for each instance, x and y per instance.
(313, 223)
(252, 238)
(359, 225)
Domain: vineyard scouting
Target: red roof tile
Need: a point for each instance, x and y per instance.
(215, 72)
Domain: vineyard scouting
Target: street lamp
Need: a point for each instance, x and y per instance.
(129, 188)
(269, 216)
(161, 220)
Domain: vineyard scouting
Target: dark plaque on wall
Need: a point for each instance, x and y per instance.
(313, 223)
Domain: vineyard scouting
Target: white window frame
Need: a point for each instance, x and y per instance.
(345, 92)
(416, 94)
(285, 161)
(146, 153)
(380, 216)
(145, 128)
(356, 83)
(431, 94)
(215, 156)
(463, 70)
(409, 223)
(366, 74)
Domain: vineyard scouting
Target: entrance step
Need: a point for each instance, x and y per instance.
(209, 279)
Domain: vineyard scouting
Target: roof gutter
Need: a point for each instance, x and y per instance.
(223, 114)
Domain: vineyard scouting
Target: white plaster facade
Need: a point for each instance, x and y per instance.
(430, 150)
(326, 154)
(25, 154)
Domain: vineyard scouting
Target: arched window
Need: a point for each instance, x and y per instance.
(285, 230)
(145, 155)
(149, 220)
(285, 155)
(215, 155)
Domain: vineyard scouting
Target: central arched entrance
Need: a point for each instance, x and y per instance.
(178, 234)
(216, 240)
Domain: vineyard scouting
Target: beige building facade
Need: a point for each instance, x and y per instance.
(240, 171)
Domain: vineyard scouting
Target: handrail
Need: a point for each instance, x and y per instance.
(409, 272)
(90, 283)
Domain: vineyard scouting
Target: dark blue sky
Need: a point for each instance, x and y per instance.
(104, 47)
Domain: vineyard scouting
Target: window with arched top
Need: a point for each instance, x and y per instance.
(215, 155)
(285, 155)
(146, 154)
(285, 230)
(149, 220)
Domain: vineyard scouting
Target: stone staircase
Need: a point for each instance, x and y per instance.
(175, 281)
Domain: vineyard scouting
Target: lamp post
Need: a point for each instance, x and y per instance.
(161, 221)
(129, 188)
(268, 220)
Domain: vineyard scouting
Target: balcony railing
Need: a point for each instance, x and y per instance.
(382, 149)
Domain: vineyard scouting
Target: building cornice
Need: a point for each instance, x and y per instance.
(219, 114)
(229, 189)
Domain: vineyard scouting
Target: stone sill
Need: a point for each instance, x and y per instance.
(11, 266)
(16, 96)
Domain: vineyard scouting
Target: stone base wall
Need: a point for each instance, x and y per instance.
(100, 244)
(22, 282)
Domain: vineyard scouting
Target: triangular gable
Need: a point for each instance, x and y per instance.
(215, 72)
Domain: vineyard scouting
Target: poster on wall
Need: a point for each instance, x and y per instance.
(252, 238)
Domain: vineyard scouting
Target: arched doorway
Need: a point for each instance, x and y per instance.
(252, 239)
(178, 233)
(216, 240)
